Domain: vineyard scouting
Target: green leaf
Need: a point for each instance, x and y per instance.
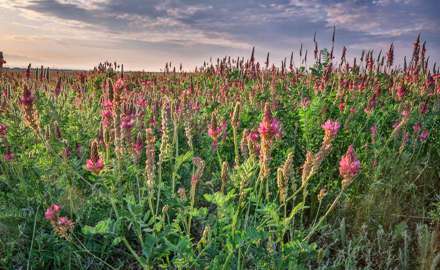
(103, 227)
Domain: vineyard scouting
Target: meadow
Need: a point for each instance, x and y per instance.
(235, 165)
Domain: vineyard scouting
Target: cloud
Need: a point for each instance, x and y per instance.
(198, 28)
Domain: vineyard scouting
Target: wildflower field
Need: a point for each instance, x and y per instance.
(237, 165)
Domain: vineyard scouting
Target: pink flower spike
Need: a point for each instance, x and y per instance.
(95, 166)
(417, 127)
(424, 135)
(331, 128)
(119, 85)
(349, 165)
(65, 221)
(3, 130)
(8, 156)
(52, 212)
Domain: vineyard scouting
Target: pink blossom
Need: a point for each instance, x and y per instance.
(107, 104)
(270, 126)
(341, 106)
(405, 113)
(8, 156)
(331, 128)
(254, 136)
(137, 146)
(127, 122)
(52, 212)
(65, 221)
(373, 130)
(305, 102)
(216, 131)
(3, 130)
(27, 97)
(119, 85)
(423, 108)
(401, 91)
(349, 165)
(106, 117)
(417, 127)
(95, 166)
(141, 102)
(424, 135)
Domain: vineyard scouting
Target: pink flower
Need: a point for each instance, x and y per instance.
(436, 76)
(401, 91)
(8, 156)
(254, 136)
(119, 85)
(106, 117)
(137, 146)
(424, 135)
(107, 104)
(127, 122)
(423, 108)
(95, 166)
(65, 221)
(27, 97)
(270, 126)
(405, 113)
(331, 128)
(349, 165)
(417, 127)
(52, 212)
(341, 106)
(3, 130)
(305, 102)
(373, 132)
(195, 107)
(141, 102)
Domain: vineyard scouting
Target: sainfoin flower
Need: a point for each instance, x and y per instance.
(3, 130)
(269, 127)
(400, 91)
(417, 127)
(27, 98)
(215, 131)
(61, 225)
(424, 135)
(52, 212)
(8, 156)
(331, 129)
(65, 221)
(127, 122)
(349, 167)
(95, 164)
(373, 131)
(119, 85)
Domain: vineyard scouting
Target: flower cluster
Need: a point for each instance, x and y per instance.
(3, 130)
(331, 129)
(95, 164)
(269, 127)
(215, 131)
(349, 167)
(61, 225)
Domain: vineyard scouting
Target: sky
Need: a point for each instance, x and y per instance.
(145, 34)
